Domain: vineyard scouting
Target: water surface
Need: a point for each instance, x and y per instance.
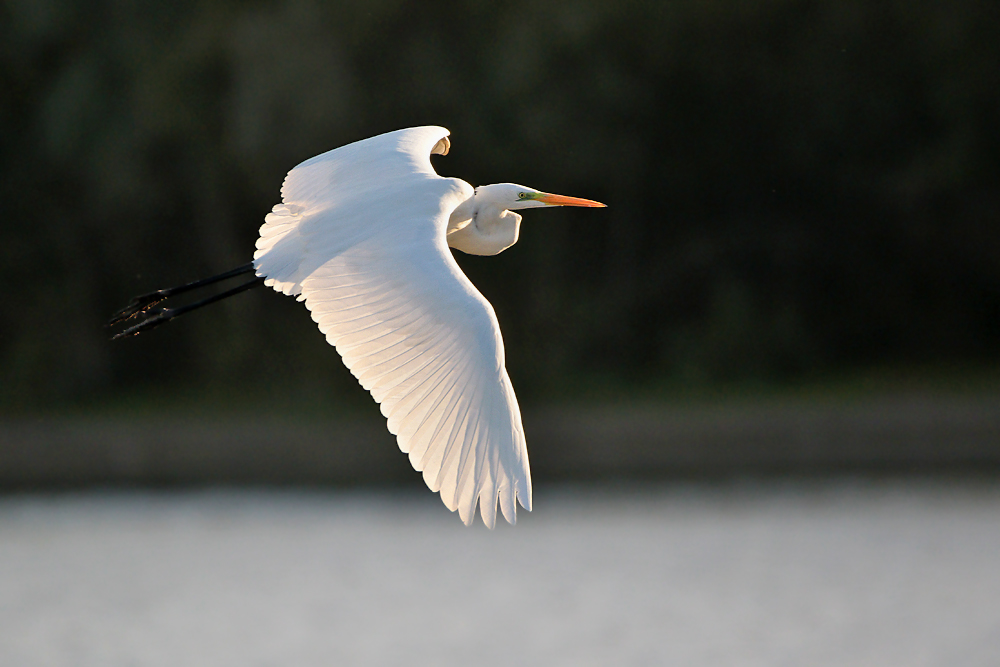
(777, 573)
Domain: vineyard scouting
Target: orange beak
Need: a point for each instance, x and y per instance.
(559, 200)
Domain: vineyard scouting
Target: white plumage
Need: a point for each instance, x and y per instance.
(362, 237)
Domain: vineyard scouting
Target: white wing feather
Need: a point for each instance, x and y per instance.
(360, 238)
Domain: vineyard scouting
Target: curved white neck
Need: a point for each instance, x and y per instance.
(481, 227)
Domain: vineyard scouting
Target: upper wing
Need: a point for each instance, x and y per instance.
(361, 238)
(350, 183)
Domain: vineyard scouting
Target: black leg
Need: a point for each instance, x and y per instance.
(162, 315)
(142, 303)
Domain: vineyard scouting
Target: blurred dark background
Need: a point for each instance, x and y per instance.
(798, 190)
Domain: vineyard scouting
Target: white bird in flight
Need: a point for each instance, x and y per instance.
(362, 237)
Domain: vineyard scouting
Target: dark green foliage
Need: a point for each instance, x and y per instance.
(794, 186)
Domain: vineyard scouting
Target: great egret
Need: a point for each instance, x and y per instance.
(362, 237)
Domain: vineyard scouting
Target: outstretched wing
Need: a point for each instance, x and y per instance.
(360, 238)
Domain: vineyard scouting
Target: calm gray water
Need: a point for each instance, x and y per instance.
(821, 573)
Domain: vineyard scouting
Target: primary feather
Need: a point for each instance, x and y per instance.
(361, 238)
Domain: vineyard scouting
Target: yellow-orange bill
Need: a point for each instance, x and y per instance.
(559, 200)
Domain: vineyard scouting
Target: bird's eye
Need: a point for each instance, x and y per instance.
(522, 195)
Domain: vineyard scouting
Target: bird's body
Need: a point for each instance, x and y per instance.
(362, 236)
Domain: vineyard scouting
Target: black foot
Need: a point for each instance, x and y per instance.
(137, 306)
(154, 318)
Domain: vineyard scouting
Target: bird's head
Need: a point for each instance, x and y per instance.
(486, 224)
(512, 197)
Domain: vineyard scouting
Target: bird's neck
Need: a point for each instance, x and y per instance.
(482, 228)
